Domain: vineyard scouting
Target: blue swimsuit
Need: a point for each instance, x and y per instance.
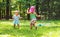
(16, 19)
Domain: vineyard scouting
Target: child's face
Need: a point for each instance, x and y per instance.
(16, 13)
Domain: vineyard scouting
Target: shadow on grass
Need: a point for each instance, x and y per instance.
(26, 31)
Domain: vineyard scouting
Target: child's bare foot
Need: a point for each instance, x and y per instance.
(14, 25)
(31, 28)
(36, 28)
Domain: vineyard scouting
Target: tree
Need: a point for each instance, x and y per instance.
(0, 14)
(37, 7)
(7, 9)
(28, 4)
(10, 14)
(1, 8)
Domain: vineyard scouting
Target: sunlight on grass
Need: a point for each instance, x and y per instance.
(6, 35)
(52, 34)
(51, 29)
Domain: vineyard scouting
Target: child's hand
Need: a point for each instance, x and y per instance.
(28, 12)
(38, 15)
(21, 17)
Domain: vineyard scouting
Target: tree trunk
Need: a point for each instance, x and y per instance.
(10, 14)
(7, 9)
(4, 14)
(20, 6)
(37, 7)
(0, 13)
(10, 11)
(49, 10)
(28, 15)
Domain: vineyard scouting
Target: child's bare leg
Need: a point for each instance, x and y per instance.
(31, 26)
(14, 25)
(18, 26)
(34, 25)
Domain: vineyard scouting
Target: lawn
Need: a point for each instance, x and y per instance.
(51, 30)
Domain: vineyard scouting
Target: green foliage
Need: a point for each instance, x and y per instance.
(46, 6)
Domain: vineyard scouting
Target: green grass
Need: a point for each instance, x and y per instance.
(7, 30)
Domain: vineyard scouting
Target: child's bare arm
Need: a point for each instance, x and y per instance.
(37, 15)
(20, 17)
(28, 12)
(13, 17)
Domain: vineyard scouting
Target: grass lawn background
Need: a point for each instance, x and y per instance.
(7, 30)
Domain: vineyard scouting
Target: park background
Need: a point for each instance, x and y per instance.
(49, 10)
